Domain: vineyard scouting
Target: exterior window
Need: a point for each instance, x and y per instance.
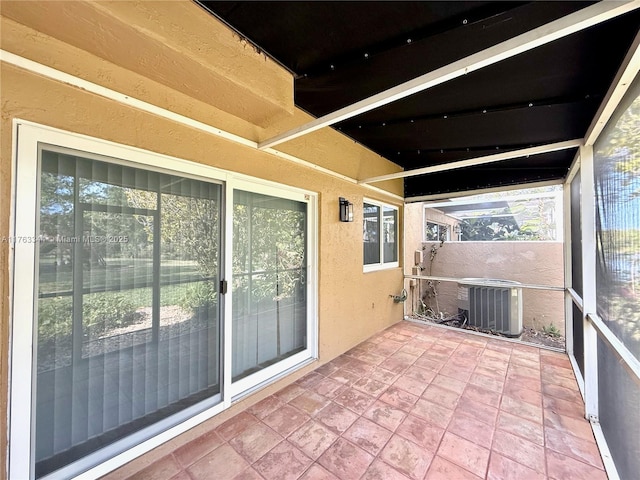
(379, 236)
(436, 232)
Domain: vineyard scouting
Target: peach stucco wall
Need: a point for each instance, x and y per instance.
(175, 56)
(537, 263)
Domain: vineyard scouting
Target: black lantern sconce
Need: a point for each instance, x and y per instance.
(346, 210)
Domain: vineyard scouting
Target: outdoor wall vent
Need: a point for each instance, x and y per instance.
(496, 307)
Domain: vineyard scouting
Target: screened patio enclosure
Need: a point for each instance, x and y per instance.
(474, 117)
(172, 174)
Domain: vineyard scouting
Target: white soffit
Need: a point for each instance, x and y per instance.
(572, 23)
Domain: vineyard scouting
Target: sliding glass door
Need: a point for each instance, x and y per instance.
(128, 317)
(269, 281)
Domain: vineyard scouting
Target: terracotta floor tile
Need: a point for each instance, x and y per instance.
(482, 395)
(553, 379)
(429, 363)
(198, 447)
(454, 371)
(563, 407)
(555, 371)
(449, 383)
(360, 367)
(310, 402)
(344, 376)
(480, 411)
(247, 474)
(406, 457)
(337, 418)
(265, 407)
(286, 419)
(521, 409)
(515, 380)
(385, 415)
(490, 372)
(370, 386)
(223, 462)
(289, 392)
(578, 427)
(432, 413)
(526, 429)
(562, 467)
(384, 376)
(421, 433)
(381, 471)
(255, 441)
(412, 385)
(395, 365)
(388, 348)
(346, 460)
(236, 425)
(309, 380)
(399, 398)
(471, 429)
(520, 450)
(284, 462)
(371, 357)
(340, 361)
(183, 475)
(562, 393)
(525, 362)
(583, 450)
(464, 453)
(313, 438)
(558, 360)
(419, 374)
(523, 394)
(326, 369)
(442, 469)
(316, 472)
(441, 396)
(162, 469)
(503, 468)
(368, 435)
(354, 400)
(327, 387)
(412, 350)
(488, 382)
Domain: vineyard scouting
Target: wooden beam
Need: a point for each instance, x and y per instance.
(498, 157)
(572, 23)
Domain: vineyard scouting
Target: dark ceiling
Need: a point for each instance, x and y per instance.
(343, 52)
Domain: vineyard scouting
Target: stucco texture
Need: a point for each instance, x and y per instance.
(178, 58)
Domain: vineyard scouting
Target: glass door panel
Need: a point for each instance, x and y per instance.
(128, 329)
(269, 281)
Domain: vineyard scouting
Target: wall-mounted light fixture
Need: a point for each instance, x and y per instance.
(346, 210)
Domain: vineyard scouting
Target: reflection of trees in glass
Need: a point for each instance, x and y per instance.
(617, 172)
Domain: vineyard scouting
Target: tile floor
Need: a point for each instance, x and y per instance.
(413, 402)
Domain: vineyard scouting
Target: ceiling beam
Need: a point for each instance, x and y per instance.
(498, 157)
(625, 76)
(542, 35)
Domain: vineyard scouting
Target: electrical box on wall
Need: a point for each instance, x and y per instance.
(417, 257)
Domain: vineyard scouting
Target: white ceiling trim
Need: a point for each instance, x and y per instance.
(572, 23)
(497, 157)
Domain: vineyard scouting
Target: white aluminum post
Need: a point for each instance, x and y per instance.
(588, 209)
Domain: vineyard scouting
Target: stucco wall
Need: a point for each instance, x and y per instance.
(539, 263)
(194, 66)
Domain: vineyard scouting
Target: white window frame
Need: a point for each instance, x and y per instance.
(439, 224)
(382, 265)
(27, 138)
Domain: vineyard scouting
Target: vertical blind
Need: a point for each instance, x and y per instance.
(269, 281)
(128, 315)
